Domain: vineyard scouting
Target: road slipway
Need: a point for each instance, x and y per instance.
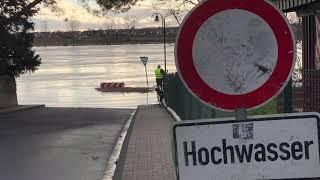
(58, 143)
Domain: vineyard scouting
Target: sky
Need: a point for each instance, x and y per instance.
(141, 13)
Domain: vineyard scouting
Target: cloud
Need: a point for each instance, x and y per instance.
(140, 14)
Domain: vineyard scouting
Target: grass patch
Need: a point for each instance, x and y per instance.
(270, 108)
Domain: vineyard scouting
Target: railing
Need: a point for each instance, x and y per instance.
(182, 102)
(188, 107)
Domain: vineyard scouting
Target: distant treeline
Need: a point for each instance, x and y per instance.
(105, 37)
(117, 36)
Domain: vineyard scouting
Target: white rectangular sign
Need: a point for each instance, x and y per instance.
(278, 147)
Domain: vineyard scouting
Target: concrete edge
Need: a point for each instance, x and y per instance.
(21, 108)
(171, 111)
(89, 108)
(177, 118)
(117, 159)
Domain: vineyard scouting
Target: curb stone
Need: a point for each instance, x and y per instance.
(20, 108)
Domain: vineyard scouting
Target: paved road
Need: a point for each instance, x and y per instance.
(58, 143)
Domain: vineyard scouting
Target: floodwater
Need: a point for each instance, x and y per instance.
(69, 75)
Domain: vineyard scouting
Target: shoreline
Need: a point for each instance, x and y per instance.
(101, 44)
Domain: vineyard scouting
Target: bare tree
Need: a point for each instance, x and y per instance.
(130, 22)
(107, 26)
(44, 25)
(73, 25)
(175, 8)
(109, 23)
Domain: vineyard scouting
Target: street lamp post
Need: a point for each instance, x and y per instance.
(164, 37)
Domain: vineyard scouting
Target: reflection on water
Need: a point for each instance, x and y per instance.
(68, 75)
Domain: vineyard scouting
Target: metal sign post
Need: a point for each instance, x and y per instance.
(241, 114)
(144, 61)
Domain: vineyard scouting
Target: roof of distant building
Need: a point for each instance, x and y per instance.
(292, 5)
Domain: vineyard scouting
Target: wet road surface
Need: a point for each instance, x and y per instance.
(58, 143)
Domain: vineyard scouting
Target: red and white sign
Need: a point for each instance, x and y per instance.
(235, 54)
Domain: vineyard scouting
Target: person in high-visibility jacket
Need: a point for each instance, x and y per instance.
(159, 76)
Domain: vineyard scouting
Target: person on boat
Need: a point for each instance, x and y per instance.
(159, 76)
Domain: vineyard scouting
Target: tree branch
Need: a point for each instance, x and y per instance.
(191, 2)
(27, 8)
(175, 16)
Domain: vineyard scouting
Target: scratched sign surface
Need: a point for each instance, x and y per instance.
(235, 54)
(229, 55)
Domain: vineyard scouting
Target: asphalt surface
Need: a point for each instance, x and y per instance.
(58, 143)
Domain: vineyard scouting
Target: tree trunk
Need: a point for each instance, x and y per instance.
(8, 93)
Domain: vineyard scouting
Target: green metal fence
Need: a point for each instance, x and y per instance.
(188, 107)
(184, 103)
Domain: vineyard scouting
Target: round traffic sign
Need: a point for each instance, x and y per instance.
(235, 54)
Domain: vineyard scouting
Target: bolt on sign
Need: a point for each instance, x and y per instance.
(276, 147)
(235, 54)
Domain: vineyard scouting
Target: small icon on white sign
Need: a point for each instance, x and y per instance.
(242, 131)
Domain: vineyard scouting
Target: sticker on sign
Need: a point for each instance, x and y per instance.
(277, 147)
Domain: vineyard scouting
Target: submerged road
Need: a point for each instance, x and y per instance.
(58, 143)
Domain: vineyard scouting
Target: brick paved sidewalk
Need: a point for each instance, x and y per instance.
(149, 151)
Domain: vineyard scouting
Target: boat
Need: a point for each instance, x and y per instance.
(120, 87)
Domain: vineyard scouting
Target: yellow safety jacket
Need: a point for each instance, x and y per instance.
(158, 73)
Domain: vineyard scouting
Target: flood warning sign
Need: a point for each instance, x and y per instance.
(277, 147)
